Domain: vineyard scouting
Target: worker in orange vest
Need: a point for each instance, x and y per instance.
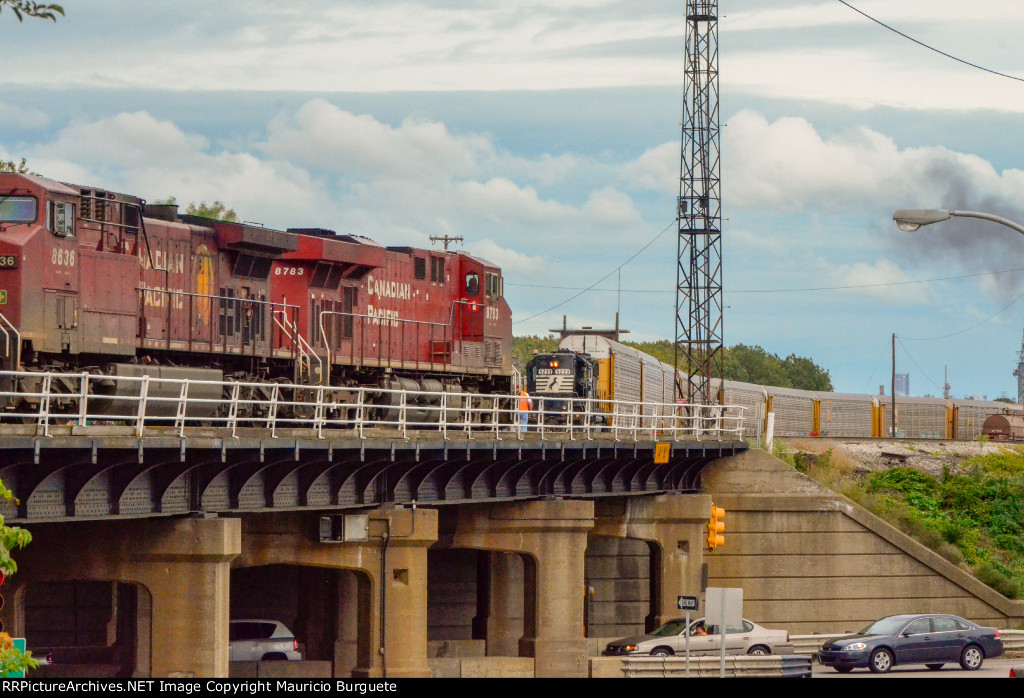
(525, 405)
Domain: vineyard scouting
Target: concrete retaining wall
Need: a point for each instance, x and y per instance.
(482, 668)
(811, 561)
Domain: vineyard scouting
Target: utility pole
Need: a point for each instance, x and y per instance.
(445, 240)
(698, 348)
(893, 387)
(1019, 373)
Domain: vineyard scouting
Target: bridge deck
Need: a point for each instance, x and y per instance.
(80, 473)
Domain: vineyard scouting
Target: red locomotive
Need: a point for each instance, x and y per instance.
(99, 282)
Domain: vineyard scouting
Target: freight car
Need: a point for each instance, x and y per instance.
(621, 372)
(100, 282)
(596, 367)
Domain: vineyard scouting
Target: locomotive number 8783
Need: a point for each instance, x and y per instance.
(96, 281)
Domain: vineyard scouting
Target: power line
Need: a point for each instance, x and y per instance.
(591, 287)
(914, 361)
(930, 48)
(776, 290)
(966, 329)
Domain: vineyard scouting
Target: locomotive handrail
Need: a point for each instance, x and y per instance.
(363, 316)
(301, 344)
(85, 400)
(4, 324)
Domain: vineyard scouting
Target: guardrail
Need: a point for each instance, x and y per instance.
(145, 401)
(736, 666)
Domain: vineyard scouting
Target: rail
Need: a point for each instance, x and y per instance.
(143, 402)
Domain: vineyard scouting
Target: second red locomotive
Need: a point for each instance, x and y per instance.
(100, 282)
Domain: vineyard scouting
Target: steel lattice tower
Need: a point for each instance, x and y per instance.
(699, 272)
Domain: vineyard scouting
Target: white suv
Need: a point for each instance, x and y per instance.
(257, 640)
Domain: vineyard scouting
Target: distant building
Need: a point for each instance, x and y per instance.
(902, 384)
(977, 397)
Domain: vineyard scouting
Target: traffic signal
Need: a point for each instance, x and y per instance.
(716, 527)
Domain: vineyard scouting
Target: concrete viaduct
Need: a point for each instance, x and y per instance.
(483, 558)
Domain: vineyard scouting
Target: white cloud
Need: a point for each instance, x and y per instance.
(810, 14)
(127, 140)
(884, 280)
(18, 117)
(513, 264)
(609, 208)
(325, 137)
(787, 164)
(657, 169)
(501, 199)
(137, 154)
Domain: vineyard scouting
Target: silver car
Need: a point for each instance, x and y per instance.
(260, 640)
(670, 639)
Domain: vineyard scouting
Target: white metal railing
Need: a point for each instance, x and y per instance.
(143, 402)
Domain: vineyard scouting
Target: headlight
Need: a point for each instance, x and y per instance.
(630, 648)
(855, 646)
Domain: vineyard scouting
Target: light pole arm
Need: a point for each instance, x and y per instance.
(989, 217)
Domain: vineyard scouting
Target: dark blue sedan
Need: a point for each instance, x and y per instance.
(929, 639)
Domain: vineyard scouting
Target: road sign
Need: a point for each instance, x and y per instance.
(686, 603)
(661, 452)
(724, 609)
(724, 606)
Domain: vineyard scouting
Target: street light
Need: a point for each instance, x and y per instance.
(910, 221)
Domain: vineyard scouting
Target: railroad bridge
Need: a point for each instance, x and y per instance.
(159, 514)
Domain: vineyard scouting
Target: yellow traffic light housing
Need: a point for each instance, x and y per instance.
(716, 528)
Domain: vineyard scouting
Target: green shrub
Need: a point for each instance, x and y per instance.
(974, 519)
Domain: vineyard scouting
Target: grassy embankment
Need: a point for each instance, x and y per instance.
(973, 514)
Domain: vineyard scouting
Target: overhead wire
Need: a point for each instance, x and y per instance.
(927, 46)
(967, 329)
(781, 290)
(899, 341)
(591, 287)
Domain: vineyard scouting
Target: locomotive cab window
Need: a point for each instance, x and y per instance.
(420, 267)
(472, 283)
(17, 209)
(494, 286)
(60, 219)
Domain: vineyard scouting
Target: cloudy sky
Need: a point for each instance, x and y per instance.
(546, 134)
